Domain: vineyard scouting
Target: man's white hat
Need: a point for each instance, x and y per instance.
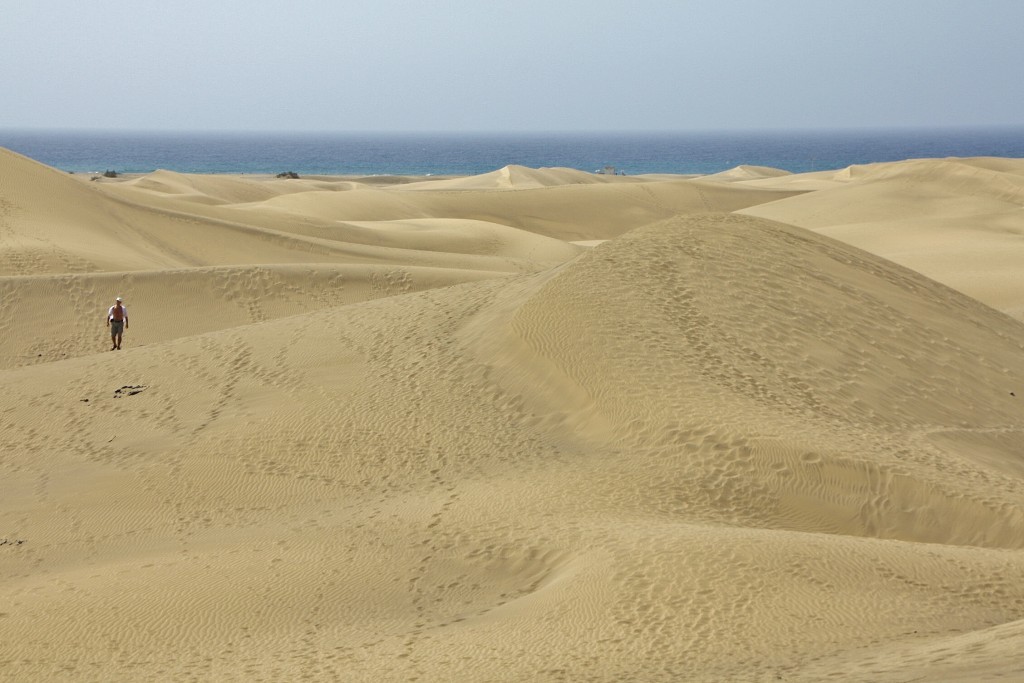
(118, 298)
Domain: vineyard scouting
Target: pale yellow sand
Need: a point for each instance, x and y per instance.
(410, 431)
(959, 221)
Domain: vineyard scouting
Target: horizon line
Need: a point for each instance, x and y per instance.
(514, 132)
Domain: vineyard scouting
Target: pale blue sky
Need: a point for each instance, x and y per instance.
(520, 65)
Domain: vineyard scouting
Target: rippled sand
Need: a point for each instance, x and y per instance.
(529, 425)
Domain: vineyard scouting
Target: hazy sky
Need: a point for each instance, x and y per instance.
(517, 65)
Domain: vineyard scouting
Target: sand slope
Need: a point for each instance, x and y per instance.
(713, 448)
(960, 221)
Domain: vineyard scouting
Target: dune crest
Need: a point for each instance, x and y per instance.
(514, 177)
(744, 172)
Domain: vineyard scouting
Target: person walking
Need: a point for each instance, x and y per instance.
(117, 320)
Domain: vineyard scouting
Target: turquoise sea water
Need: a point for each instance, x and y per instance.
(444, 154)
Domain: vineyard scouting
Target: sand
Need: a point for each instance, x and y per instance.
(530, 425)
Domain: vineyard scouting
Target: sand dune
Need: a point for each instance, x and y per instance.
(747, 173)
(407, 431)
(520, 178)
(959, 221)
(548, 202)
(48, 318)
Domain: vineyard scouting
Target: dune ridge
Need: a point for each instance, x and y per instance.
(409, 431)
(958, 221)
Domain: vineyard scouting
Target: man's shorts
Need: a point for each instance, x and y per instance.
(116, 327)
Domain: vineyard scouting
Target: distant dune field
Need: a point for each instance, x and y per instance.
(536, 424)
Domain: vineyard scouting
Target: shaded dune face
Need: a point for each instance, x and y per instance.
(766, 376)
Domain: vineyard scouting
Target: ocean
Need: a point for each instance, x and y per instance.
(464, 154)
